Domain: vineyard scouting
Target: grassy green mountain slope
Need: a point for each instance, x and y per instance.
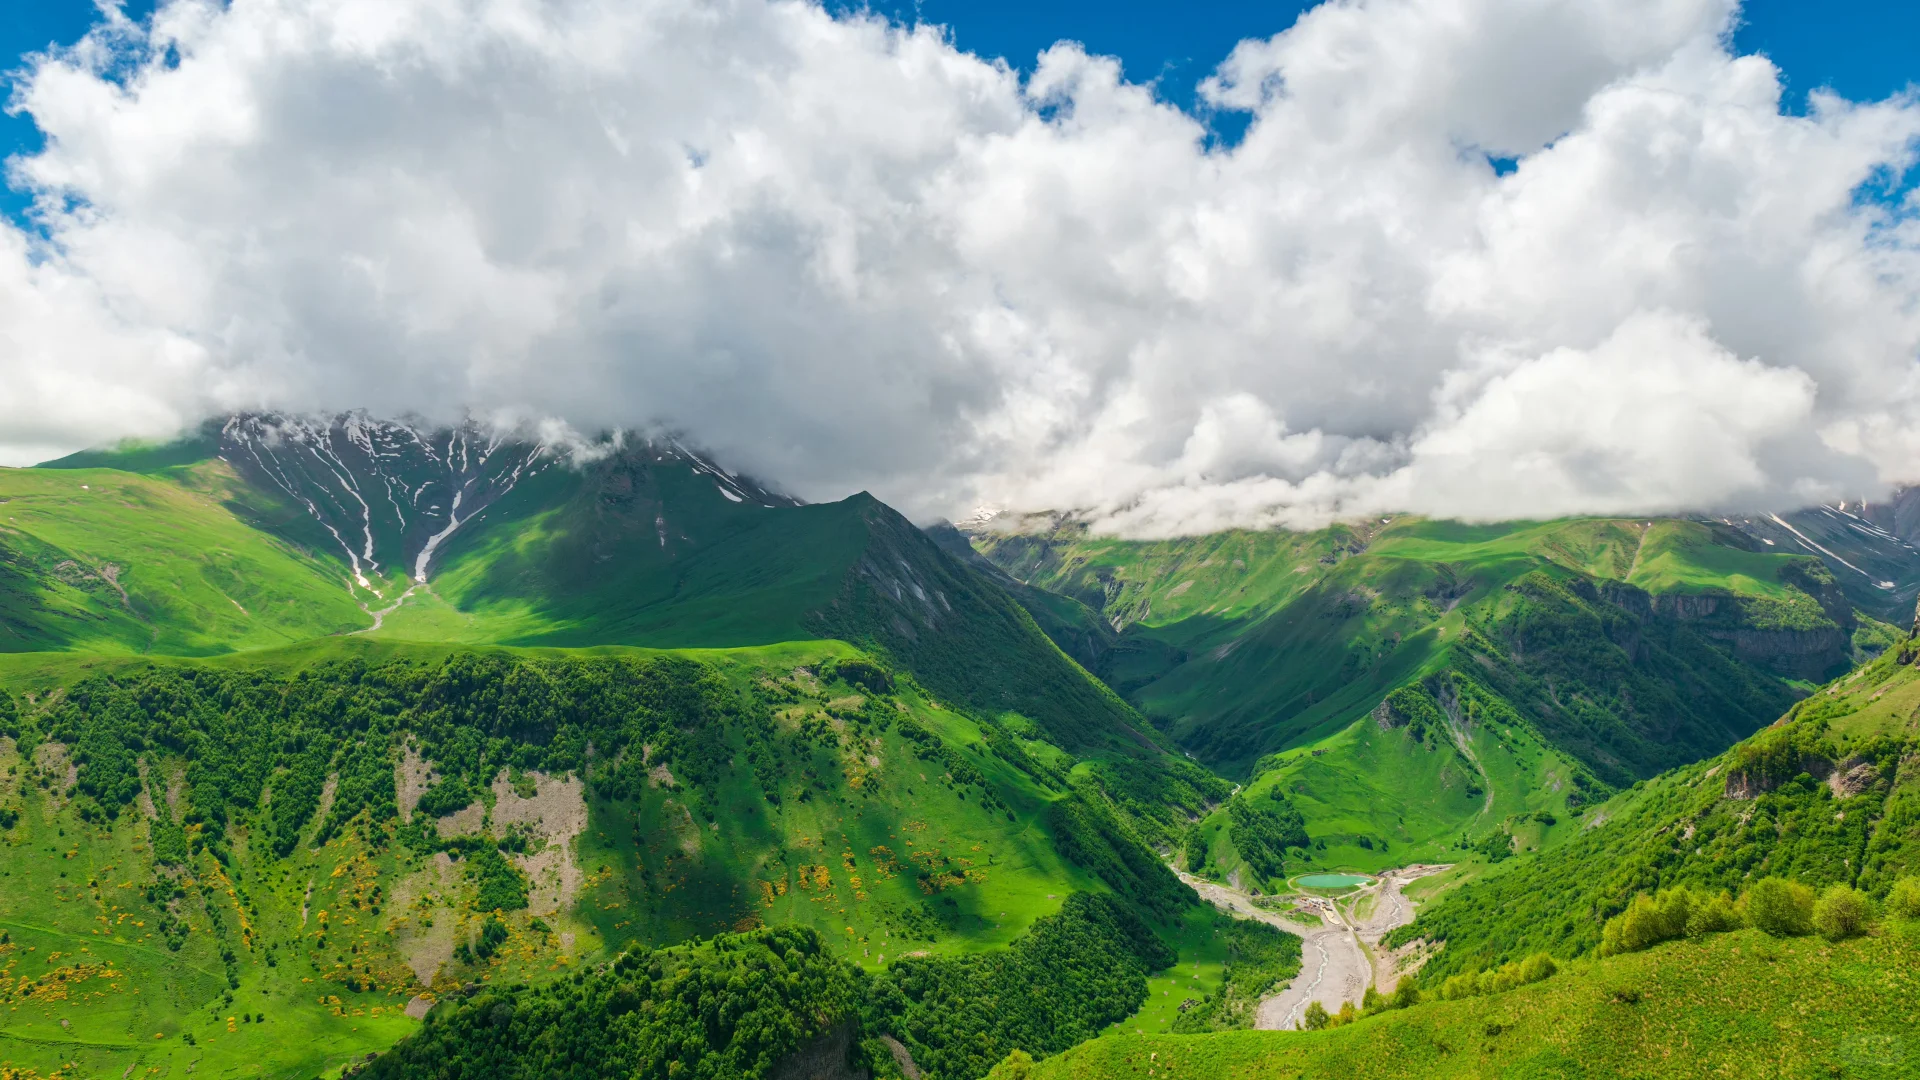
(1422, 777)
(1826, 798)
(102, 559)
(1245, 643)
(1559, 661)
(1827, 795)
(538, 713)
(1740, 1004)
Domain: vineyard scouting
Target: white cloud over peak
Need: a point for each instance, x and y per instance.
(843, 254)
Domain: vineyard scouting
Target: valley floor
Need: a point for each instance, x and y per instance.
(1341, 956)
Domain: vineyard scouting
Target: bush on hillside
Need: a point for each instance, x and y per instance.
(1194, 849)
(1714, 914)
(1017, 1065)
(1840, 913)
(1904, 899)
(861, 672)
(1316, 1017)
(727, 1009)
(1780, 907)
(1648, 921)
(1089, 835)
(498, 884)
(1665, 916)
(1260, 959)
(1536, 968)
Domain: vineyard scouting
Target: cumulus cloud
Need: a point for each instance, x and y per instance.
(843, 254)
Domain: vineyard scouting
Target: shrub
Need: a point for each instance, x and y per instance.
(1780, 907)
(1714, 915)
(1904, 901)
(1017, 1065)
(1841, 912)
(493, 934)
(1316, 1017)
(1511, 976)
(1538, 968)
(1406, 995)
(1648, 921)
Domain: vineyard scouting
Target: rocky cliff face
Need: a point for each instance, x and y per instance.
(1813, 646)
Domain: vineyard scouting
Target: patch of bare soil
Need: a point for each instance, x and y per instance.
(557, 814)
(412, 776)
(54, 761)
(176, 787)
(144, 799)
(327, 792)
(1392, 965)
(426, 895)
(902, 1057)
(418, 1005)
(465, 821)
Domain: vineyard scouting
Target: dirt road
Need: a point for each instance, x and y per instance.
(1336, 957)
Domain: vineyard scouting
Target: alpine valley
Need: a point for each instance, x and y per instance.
(340, 746)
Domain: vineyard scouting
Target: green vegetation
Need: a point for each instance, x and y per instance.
(1715, 1007)
(272, 820)
(96, 559)
(1536, 968)
(662, 774)
(1259, 960)
(1261, 831)
(1426, 688)
(1829, 796)
(1243, 643)
(1781, 908)
(1074, 974)
(733, 1007)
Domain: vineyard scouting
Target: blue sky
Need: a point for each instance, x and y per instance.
(1863, 48)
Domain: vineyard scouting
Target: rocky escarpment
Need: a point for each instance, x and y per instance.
(1844, 779)
(1808, 636)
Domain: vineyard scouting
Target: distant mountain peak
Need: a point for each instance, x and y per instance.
(391, 493)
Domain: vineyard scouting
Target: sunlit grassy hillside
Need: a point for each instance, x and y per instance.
(100, 559)
(1740, 1004)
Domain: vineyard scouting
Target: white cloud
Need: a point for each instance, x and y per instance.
(843, 254)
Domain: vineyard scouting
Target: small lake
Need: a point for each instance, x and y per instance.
(1332, 881)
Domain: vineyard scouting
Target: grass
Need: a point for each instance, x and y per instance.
(98, 559)
(1739, 1004)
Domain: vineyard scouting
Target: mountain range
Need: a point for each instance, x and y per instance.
(336, 737)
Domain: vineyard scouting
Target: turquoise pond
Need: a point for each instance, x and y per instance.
(1331, 881)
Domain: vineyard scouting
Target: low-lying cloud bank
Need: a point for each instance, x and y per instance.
(843, 254)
